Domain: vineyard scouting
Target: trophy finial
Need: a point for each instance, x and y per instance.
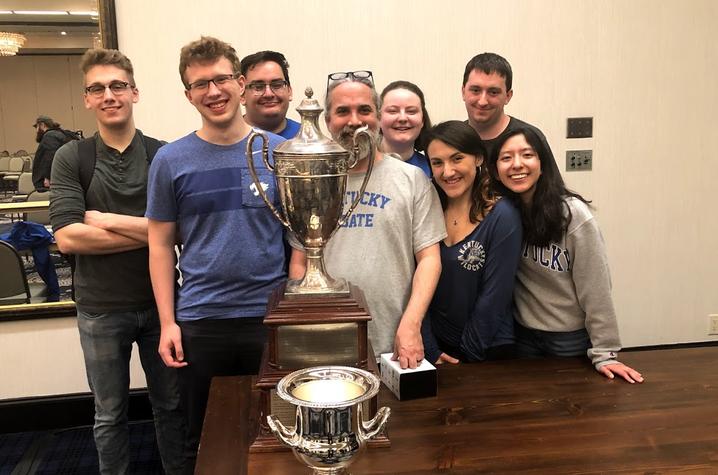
(309, 92)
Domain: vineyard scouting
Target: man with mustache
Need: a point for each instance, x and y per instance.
(389, 247)
(486, 89)
(267, 93)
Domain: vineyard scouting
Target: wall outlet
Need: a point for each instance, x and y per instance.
(713, 324)
(579, 160)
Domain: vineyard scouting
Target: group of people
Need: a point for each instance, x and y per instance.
(469, 246)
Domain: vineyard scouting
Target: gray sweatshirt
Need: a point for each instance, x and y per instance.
(566, 286)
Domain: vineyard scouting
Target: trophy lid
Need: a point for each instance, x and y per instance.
(309, 140)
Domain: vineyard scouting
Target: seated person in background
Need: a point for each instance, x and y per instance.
(563, 304)
(266, 93)
(390, 245)
(470, 317)
(49, 137)
(404, 123)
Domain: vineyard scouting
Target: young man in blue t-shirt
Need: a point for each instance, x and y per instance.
(202, 196)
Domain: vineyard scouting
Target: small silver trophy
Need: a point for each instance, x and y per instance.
(329, 430)
(311, 172)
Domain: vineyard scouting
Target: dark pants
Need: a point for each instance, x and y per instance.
(226, 347)
(532, 343)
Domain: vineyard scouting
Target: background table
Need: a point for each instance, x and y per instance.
(529, 416)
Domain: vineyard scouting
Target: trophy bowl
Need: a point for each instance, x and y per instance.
(311, 175)
(329, 429)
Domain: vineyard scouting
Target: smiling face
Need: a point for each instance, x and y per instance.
(218, 105)
(454, 171)
(519, 167)
(401, 117)
(485, 96)
(269, 109)
(112, 110)
(352, 106)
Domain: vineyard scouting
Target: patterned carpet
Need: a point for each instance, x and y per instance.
(72, 452)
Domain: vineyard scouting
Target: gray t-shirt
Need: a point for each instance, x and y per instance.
(398, 216)
(116, 282)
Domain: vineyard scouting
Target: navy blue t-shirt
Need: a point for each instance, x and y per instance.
(233, 250)
(471, 308)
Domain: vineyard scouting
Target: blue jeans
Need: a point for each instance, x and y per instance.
(532, 343)
(106, 340)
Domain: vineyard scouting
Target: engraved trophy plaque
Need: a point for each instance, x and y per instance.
(311, 172)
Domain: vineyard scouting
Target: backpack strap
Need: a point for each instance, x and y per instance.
(88, 158)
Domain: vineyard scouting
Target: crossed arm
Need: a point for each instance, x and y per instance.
(103, 233)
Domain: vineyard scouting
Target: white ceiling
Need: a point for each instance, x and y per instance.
(43, 32)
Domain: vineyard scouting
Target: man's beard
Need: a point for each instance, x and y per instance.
(38, 135)
(346, 140)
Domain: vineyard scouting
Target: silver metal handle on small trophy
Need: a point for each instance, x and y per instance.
(288, 436)
(252, 171)
(355, 159)
(372, 428)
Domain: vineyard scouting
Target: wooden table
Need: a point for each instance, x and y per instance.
(529, 416)
(24, 206)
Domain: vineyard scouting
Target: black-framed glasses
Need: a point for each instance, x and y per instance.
(116, 87)
(218, 81)
(359, 76)
(258, 87)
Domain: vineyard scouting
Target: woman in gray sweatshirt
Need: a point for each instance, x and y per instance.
(562, 297)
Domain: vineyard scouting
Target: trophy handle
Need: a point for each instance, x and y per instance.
(289, 437)
(253, 172)
(355, 160)
(370, 429)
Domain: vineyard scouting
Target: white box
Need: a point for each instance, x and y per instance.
(408, 383)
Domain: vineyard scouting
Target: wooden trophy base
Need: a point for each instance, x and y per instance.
(307, 331)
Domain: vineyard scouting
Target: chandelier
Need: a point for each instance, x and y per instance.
(10, 43)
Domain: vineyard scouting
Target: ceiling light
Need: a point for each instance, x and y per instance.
(10, 43)
(5, 12)
(83, 13)
(63, 33)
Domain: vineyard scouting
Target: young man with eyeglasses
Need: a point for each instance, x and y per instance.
(389, 247)
(102, 223)
(267, 93)
(201, 195)
(486, 89)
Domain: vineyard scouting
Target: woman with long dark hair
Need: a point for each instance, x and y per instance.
(563, 304)
(470, 316)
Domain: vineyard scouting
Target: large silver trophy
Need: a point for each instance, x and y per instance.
(311, 172)
(329, 430)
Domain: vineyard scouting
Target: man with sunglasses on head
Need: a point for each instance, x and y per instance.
(267, 93)
(389, 247)
(97, 207)
(201, 195)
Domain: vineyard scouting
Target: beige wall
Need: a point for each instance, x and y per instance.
(40, 85)
(644, 70)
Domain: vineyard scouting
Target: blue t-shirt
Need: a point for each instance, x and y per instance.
(290, 131)
(472, 307)
(419, 160)
(233, 251)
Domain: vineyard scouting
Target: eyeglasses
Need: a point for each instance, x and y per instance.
(359, 76)
(116, 87)
(219, 81)
(258, 87)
